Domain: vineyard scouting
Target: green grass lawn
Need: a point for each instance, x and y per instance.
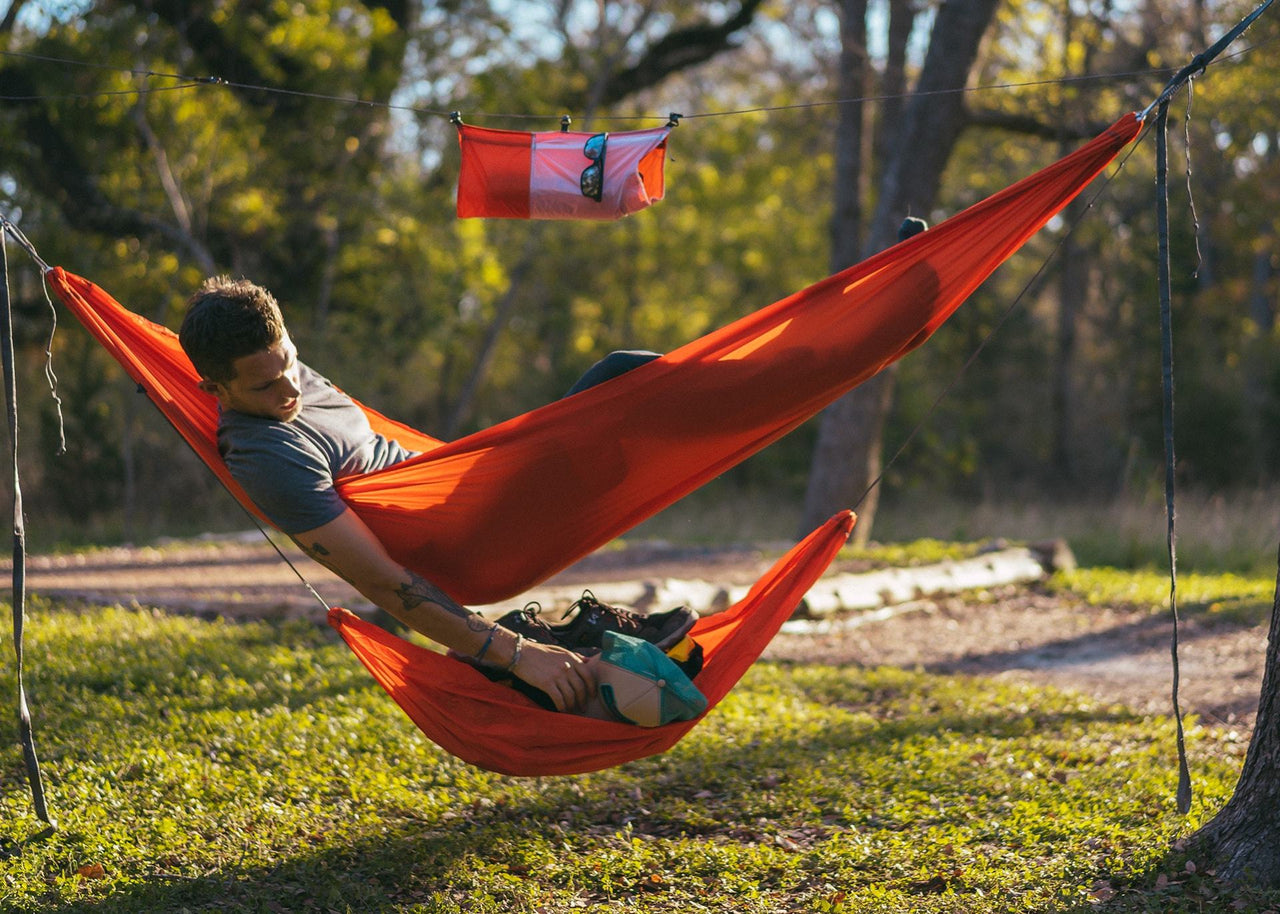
(205, 766)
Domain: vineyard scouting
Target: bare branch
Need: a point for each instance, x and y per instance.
(680, 50)
(169, 183)
(59, 173)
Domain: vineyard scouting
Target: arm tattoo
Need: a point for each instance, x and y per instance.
(419, 590)
(320, 554)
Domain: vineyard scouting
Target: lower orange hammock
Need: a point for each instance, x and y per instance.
(496, 727)
(490, 515)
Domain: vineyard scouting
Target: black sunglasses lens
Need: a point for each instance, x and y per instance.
(594, 147)
(590, 183)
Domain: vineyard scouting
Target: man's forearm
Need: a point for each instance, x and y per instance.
(417, 593)
(347, 547)
(419, 604)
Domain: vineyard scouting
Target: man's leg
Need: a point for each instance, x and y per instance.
(612, 365)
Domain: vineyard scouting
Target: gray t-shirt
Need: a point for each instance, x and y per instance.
(288, 468)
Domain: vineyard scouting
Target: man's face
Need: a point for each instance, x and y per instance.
(266, 383)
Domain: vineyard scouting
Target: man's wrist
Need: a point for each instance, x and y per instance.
(515, 653)
(492, 651)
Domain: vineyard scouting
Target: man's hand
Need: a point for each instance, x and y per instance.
(569, 679)
(347, 546)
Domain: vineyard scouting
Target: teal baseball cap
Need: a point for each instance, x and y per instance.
(641, 685)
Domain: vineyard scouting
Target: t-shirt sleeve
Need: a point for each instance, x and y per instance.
(287, 478)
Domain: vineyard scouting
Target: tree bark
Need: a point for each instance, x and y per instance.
(846, 221)
(1242, 842)
(847, 457)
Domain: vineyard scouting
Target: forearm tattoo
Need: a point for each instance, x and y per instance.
(413, 594)
(419, 590)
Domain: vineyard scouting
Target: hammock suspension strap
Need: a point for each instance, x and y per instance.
(1170, 462)
(26, 734)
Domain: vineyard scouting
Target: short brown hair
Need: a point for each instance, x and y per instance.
(228, 319)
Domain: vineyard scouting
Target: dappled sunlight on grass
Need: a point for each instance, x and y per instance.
(1229, 598)
(213, 767)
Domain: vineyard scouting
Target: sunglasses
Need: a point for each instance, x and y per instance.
(592, 181)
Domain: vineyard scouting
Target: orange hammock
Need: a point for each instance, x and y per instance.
(498, 728)
(488, 516)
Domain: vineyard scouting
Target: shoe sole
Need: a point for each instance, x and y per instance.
(675, 637)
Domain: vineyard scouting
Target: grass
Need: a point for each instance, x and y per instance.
(1224, 597)
(203, 766)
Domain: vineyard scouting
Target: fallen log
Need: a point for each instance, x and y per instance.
(836, 593)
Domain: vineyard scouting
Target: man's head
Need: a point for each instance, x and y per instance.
(234, 334)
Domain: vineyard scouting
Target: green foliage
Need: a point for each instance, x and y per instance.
(205, 766)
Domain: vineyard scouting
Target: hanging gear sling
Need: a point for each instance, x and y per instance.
(506, 174)
(490, 515)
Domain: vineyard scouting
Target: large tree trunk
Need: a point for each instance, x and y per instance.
(1242, 842)
(847, 456)
(846, 221)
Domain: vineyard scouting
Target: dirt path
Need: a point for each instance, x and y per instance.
(1116, 654)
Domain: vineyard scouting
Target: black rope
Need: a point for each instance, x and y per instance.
(280, 552)
(253, 517)
(1191, 197)
(190, 82)
(25, 733)
(1170, 462)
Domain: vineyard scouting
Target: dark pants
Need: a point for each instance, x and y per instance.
(612, 365)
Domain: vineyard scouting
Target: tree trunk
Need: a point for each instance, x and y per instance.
(502, 311)
(847, 456)
(1242, 842)
(846, 220)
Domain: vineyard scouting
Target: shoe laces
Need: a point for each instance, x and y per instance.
(532, 612)
(588, 603)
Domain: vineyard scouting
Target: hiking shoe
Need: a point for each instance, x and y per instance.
(526, 622)
(593, 618)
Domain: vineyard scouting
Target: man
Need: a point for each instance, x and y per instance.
(286, 434)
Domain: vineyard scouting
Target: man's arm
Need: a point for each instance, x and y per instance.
(348, 547)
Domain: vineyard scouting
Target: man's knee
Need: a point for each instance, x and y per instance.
(611, 366)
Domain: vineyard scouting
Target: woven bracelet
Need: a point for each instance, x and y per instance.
(487, 641)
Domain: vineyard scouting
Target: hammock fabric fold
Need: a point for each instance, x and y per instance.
(496, 727)
(490, 515)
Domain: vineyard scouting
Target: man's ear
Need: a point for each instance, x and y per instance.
(210, 387)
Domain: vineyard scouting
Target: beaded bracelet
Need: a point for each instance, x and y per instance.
(487, 641)
(515, 655)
